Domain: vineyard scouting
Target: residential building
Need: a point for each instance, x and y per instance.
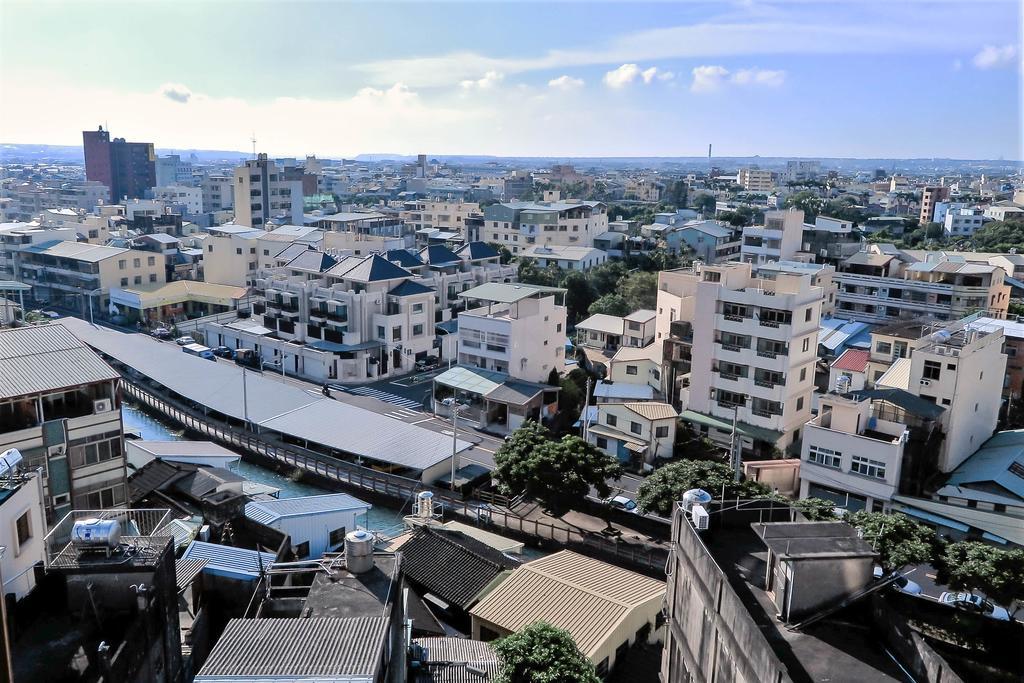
(882, 284)
(518, 225)
(756, 180)
(779, 239)
(566, 258)
(190, 198)
(1013, 347)
(81, 275)
(450, 216)
(801, 169)
(1004, 211)
(60, 407)
(930, 196)
(176, 301)
(644, 189)
(263, 194)
(821, 276)
(514, 329)
(635, 432)
(218, 193)
(637, 366)
(316, 525)
(963, 222)
(492, 400)
(611, 332)
(944, 207)
(363, 224)
(621, 607)
(171, 170)
(708, 241)
(14, 237)
(128, 169)
(740, 347)
(231, 255)
(22, 526)
(27, 200)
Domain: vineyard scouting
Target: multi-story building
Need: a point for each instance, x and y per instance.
(518, 330)
(802, 169)
(756, 180)
(821, 276)
(81, 275)
(263, 194)
(1013, 347)
(708, 241)
(17, 236)
(883, 284)
(450, 216)
(566, 258)
(60, 408)
(610, 332)
(190, 198)
(22, 527)
(963, 222)
(518, 225)
(127, 168)
(779, 239)
(944, 207)
(218, 193)
(740, 347)
(28, 200)
(231, 255)
(171, 170)
(930, 196)
(636, 432)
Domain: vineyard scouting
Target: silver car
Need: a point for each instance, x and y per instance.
(976, 604)
(902, 584)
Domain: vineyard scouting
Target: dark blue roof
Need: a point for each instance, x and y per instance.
(477, 250)
(437, 255)
(410, 287)
(403, 257)
(375, 268)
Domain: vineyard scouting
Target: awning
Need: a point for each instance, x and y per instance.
(751, 431)
(636, 447)
(334, 347)
(471, 380)
(992, 537)
(934, 519)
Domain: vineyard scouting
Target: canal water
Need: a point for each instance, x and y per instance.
(383, 520)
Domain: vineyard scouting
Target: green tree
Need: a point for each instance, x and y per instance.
(611, 304)
(530, 273)
(808, 201)
(705, 203)
(663, 489)
(640, 290)
(579, 294)
(560, 473)
(816, 509)
(677, 193)
(542, 653)
(605, 277)
(1000, 236)
(504, 255)
(897, 539)
(973, 566)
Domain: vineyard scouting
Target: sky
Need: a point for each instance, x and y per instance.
(867, 78)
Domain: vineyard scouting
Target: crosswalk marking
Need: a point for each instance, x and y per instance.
(405, 403)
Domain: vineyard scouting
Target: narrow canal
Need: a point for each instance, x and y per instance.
(383, 520)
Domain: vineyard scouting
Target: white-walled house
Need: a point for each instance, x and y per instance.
(633, 365)
(635, 431)
(610, 332)
(22, 528)
(315, 524)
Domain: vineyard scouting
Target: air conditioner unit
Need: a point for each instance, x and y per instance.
(700, 517)
(104, 405)
(925, 382)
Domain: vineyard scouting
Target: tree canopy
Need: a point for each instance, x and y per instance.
(557, 473)
(542, 653)
(897, 539)
(666, 486)
(610, 304)
(974, 566)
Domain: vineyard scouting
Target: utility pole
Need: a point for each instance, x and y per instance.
(735, 446)
(585, 426)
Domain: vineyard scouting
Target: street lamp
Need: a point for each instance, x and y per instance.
(455, 407)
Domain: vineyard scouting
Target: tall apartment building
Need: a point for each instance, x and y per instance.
(517, 330)
(756, 180)
(171, 170)
(963, 222)
(740, 346)
(517, 225)
(127, 168)
(779, 239)
(59, 406)
(930, 196)
(882, 284)
(218, 193)
(262, 193)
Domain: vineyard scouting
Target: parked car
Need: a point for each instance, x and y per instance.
(161, 333)
(622, 503)
(184, 341)
(222, 352)
(427, 364)
(974, 603)
(902, 584)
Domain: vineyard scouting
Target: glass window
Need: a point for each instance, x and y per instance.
(611, 420)
(631, 370)
(867, 467)
(635, 427)
(661, 432)
(824, 456)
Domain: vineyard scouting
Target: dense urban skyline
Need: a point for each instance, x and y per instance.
(774, 78)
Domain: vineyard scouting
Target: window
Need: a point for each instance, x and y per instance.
(238, 251)
(24, 529)
(396, 334)
(381, 332)
(807, 343)
(417, 330)
(124, 282)
(883, 348)
(631, 370)
(932, 369)
(807, 315)
(636, 427)
(602, 442)
(800, 403)
(417, 308)
(151, 261)
(661, 432)
(266, 252)
(210, 248)
(951, 366)
(824, 456)
(869, 468)
(152, 277)
(252, 250)
(136, 262)
(122, 264)
(302, 550)
(611, 420)
(803, 374)
(138, 279)
(336, 537)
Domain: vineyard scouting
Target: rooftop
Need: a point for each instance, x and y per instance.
(622, 390)
(506, 292)
(80, 251)
(47, 358)
(270, 511)
(995, 468)
(806, 540)
(600, 322)
(228, 561)
(854, 360)
(456, 660)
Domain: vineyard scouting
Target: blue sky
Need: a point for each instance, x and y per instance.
(884, 78)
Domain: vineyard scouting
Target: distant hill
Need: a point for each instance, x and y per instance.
(73, 153)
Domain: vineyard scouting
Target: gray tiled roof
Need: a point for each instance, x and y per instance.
(46, 358)
(287, 649)
(451, 565)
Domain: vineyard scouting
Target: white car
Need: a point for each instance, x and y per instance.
(902, 584)
(184, 341)
(622, 503)
(974, 603)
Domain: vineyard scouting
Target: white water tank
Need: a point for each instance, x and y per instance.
(842, 384)
(425, 504)
(695, 497)
(359, 551)
(103, 534)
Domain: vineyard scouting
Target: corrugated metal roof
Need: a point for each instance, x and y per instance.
(268, 511)
(623, 390)
(186, 571)
(584, 596)
(1000, 461)
(448, 660)
(225, 560)
(45, 358)
(897, 376)
(311, 649)
(855, 360)
(206, 449)
(653, 410)
(473, 380)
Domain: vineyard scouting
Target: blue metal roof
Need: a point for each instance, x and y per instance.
(935, 519)
(268, 511)
(993, 462)
(224, 560)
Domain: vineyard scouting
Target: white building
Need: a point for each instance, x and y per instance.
(231, 255)
(566, 258)
(779, 239)
(206, 453)
(262, 194)
(963, 222)
(22, 528)
(519, 225)
(315, 524)
(218, 193)
(637, 431)
(756, 180)
(514, 329)
(610, 332)
(189, 197)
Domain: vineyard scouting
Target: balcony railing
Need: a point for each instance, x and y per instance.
(735, 318)
(731, 347)
(766, 383)
(729, 375)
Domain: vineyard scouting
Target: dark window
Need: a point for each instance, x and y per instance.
(635, 427)
(932, 369)
(302, 550)
(661, 432)
(24, 528)
(602, 442)
(337, 537)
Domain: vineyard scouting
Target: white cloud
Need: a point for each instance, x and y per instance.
(176, 92)
(622, 76)
(712, 77)
(489, 80)
(566, 83)
(706, 78)
(666, 76)
(992, 57)
(649, 74)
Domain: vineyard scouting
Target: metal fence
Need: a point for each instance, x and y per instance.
(134, 522)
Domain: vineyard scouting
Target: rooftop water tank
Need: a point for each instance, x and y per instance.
(695, 497)
(359, 551)
(9, 461)
(96, 534)
(425, 504)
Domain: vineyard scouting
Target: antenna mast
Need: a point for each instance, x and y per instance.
(253, 140)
